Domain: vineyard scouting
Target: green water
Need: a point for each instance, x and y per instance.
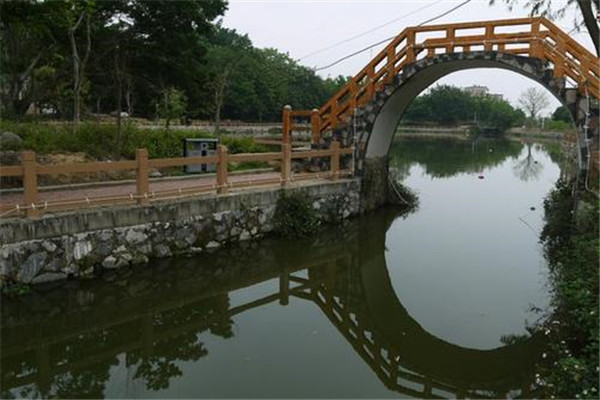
(388, 305)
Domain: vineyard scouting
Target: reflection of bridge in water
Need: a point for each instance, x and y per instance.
(68, 352)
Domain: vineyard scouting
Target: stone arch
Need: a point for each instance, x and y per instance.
(375, 123)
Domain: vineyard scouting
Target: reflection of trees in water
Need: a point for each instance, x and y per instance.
(445, 157)
(153, 344)
(528, 168)
(159, 365)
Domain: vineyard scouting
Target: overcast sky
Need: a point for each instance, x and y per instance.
(302, 27)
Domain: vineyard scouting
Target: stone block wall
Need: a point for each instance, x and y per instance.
(83, 243)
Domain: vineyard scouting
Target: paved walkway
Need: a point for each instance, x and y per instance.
(107, 189)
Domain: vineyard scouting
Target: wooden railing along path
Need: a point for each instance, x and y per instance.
(29, 170)
(532, 37)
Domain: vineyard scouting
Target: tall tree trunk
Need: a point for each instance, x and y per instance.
(79, 64)
(589, 19)
(119, 102)
(219, 97)
(128, 90)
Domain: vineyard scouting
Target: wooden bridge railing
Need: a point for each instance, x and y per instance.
(532, 37)
(29, 170)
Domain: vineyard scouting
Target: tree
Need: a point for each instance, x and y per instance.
(562, 114)
(558, 8)
(171, 105)
(534, 100)
(79, 14)
(29, 32)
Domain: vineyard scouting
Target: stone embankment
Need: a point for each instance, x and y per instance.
(82, 244)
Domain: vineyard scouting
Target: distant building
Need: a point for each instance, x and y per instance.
(481, 91)
(476, 90)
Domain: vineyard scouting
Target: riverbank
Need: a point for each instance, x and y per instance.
(569, 369)
(81, 244)
(464, 132)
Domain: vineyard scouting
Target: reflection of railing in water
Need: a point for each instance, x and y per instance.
(385, 362)
(179, 314)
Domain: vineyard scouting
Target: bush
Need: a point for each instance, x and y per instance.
(98, 140)
(572, 248)
(242, 145)
(294, 215)
(558, 125)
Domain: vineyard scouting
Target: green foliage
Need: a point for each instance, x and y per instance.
(449, 105)
(171, 105)
(138, 48)
(558, 125)
(572, 247)
(243, 145)
(96, 140)
(562, 114)
(15, 289)
(294, 215)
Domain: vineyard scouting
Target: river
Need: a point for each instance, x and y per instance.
(435, 303)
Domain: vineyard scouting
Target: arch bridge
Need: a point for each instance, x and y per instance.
(367, 110)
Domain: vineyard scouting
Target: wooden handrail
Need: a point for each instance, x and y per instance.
(536, 35)
(30, 170)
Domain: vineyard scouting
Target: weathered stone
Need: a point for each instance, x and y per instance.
(145, 249)
(103, 249)
(220, 228)
(191, 238)
(140, 259)
(254, 231)
(135, 237)
(220, 215)
(48, 246)
(6, 268)
(121, 262)
(105, 236)
(245, 235)
(212, 245)
(109, 262)
(55, 265)
(30, 268)
(127, 257)
(162, 251)
(81, 249)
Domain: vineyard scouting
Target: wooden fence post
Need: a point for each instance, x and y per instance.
(410, 46)
(285, 127)
(222, 170)
(335, 159)
(535, 49)
(142, 176)
(315, 126)
(286, 163)
(30, 189)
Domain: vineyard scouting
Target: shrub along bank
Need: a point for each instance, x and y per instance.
(100, 140)
(569, 369)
